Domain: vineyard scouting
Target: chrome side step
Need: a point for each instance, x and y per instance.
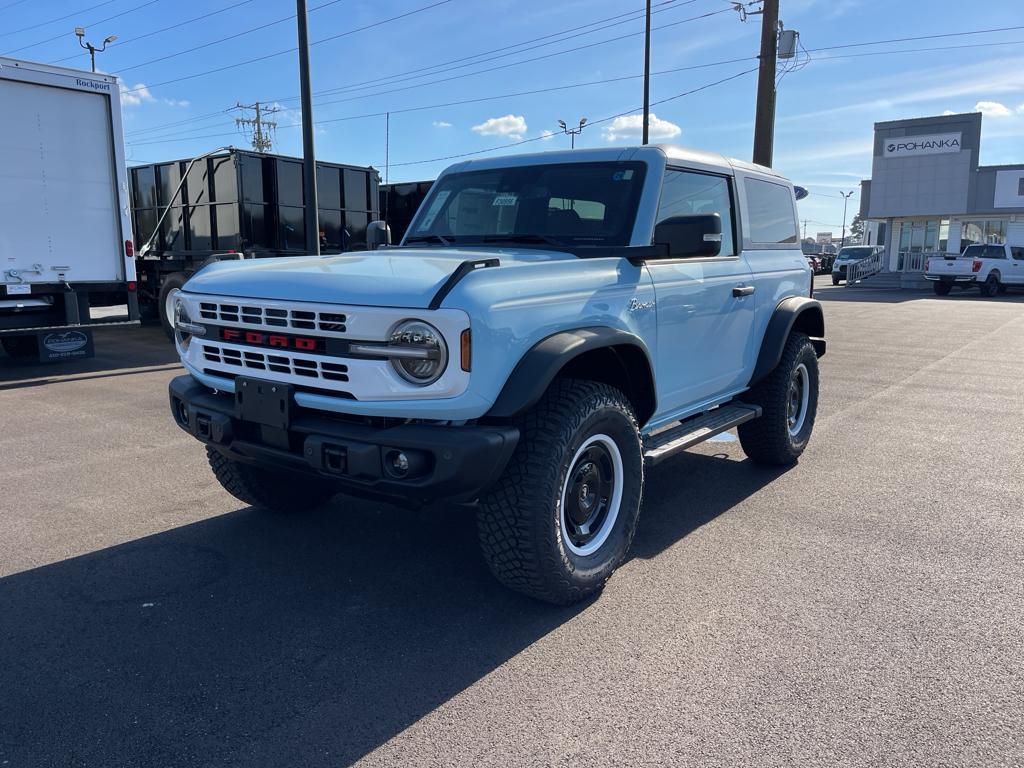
(697, 429)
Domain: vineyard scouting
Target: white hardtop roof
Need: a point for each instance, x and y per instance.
(694, 158)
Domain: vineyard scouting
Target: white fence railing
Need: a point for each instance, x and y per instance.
(864, 268)
(913, 261)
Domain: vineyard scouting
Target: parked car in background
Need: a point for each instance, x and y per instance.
(851, 255)
(989, 267)
(814, 263)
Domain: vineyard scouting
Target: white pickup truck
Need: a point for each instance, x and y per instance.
(989, 267)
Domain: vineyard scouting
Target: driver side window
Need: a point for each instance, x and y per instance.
(685, 193)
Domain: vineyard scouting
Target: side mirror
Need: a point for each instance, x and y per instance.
(691, 236)
(378, 233)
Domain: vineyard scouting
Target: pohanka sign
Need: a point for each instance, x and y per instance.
(935, 144)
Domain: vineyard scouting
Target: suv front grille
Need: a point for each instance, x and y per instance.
(275, 362)
(272, 317)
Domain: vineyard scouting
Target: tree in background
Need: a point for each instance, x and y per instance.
(856, 230)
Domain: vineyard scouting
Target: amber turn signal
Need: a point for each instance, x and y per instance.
(464, 350)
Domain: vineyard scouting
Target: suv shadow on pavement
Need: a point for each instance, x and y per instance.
(253, 638)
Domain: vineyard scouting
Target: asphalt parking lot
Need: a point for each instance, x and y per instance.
(862, 608)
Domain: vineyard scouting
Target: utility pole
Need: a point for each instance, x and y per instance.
(764, 121)
(308, 153)
(805, 230)
(261, 141)
(846, 198)
(92, 49)
(647, 74)
(573, 132)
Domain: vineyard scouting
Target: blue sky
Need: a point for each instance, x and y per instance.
(433, 55)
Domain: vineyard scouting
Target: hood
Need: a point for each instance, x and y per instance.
(407, 277)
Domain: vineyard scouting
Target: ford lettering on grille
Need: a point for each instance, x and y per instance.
(276, 340)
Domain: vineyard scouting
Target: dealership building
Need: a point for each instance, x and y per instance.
(928, 194)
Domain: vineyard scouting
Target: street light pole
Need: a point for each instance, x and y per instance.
(92, 49)
(573, 132)
(846, 198)
(647, 73)
(308, 151)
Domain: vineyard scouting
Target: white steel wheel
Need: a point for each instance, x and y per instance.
(591, 495)
(799, 398)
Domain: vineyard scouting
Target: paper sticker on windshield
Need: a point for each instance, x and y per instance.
(435, 208)
(622, 175)
(505, 198)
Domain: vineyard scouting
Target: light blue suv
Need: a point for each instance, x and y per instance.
(550, 326)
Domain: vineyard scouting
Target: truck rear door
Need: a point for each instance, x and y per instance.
(58, 186)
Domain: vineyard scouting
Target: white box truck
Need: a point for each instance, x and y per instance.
(65, 218)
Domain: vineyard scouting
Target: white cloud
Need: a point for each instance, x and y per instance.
(631, 127)
(133, 95)
(545, 135)
(948, 112)
(993, 109)
(177, 102)
(442, 124)
(512, 126)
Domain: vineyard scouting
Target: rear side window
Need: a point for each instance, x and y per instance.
(771, 214)
(1017, 253)
(686, 193)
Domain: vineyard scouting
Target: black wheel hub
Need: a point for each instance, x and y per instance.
(588, 494)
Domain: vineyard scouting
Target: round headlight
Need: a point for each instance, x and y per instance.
(418, 352)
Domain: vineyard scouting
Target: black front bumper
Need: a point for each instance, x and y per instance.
(444, 462)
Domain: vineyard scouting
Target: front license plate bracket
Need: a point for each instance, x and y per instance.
(264, 402)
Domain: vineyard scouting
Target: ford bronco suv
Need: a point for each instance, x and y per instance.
(550, 326)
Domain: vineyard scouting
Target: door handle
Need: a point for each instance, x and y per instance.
(742, 290)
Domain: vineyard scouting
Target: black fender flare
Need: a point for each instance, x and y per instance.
(795, 313)
(540, 365)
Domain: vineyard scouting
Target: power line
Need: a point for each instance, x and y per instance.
(11, 5)
(293, 49)
(59, 18)
(591, 122)
(244, 32)
(454, 61)
(90, 24)
(135, 39)
(171, 138)
(424, 71)
(513, 63)
(918, 37)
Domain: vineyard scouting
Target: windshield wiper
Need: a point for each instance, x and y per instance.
(429, 239)
(524, 238)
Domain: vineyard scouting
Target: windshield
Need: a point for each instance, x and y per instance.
(581, 203)
(855, 253)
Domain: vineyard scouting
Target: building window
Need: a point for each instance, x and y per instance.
(990, 231)
(924, 236)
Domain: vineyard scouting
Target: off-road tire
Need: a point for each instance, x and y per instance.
(276, 490)
(991, 285)
(171, 284)
(520, 520)
(20, 347)
(767, 440)
(942, 289)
